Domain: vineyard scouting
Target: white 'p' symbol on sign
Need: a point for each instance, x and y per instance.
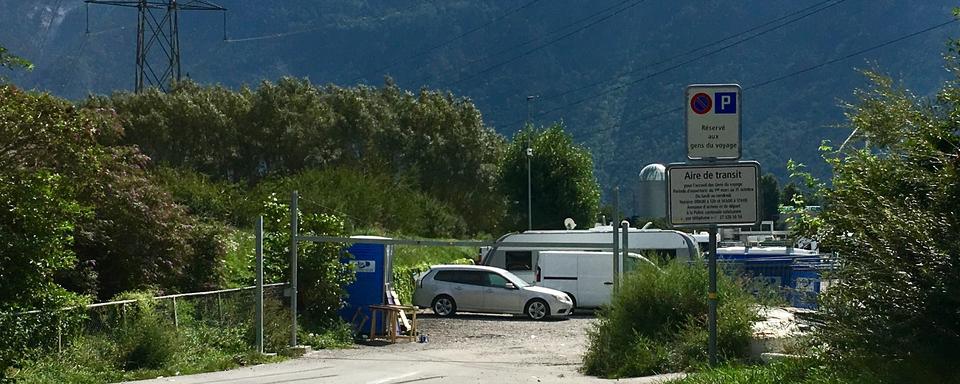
(726, 102)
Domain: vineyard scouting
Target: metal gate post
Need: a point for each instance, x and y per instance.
(294, 222)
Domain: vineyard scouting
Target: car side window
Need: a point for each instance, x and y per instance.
(448, 276)
(473, 278)
(519, 260)
(496, 281)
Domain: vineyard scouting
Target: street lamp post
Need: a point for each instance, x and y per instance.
(530, 98)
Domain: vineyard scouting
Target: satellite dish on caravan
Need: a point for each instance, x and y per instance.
(569, 224)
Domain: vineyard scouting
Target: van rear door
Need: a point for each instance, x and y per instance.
(559, 270)
(595, 283)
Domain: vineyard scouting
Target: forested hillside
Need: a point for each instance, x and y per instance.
(611, 70)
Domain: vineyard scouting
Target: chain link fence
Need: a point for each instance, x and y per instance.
(230, 310)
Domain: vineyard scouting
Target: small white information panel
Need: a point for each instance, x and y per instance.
(713, 121)
(365, 266)
(720, 194)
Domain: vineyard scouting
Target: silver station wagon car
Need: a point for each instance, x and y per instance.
(475, 288)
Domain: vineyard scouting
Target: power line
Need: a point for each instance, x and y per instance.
(857, 53)
(533, 40)
(710, 44)
(793, 74)
(453, 39)
(686, 62)
(551, 42)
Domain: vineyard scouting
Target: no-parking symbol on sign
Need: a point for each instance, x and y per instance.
(713, 121)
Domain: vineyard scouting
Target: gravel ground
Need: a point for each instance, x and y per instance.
(498, 338)
(559, 341)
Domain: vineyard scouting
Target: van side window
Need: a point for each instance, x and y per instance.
(519, 260)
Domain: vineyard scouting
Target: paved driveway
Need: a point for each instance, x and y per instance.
(463, 349)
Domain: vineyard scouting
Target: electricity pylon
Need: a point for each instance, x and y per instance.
(158, 37)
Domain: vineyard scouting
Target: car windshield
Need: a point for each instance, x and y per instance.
(518, 282)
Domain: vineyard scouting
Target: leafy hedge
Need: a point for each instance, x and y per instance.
(658, 323)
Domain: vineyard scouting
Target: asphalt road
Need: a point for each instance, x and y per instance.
(463, 349)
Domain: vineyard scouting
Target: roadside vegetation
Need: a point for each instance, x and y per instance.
(789, 371)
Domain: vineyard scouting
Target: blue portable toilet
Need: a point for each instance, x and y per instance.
(374, 269)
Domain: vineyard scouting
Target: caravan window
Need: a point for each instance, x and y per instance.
(519, 260)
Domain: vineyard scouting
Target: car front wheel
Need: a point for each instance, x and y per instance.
(537, 309)
(444, 306)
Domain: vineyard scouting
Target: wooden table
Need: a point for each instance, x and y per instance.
(390, 313)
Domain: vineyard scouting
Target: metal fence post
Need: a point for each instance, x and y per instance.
(123, 314)
(219, 309)
(624, 245)
(259, 297)
(59, 333)
(294, 223)
(615, 226)
(176, 321)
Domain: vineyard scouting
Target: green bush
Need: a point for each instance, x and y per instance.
(658, 323)
(334, 334)
(147, 340)
(238, 268)
(276, 325)
(211, 199)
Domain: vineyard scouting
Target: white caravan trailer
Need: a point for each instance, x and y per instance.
(521, 259)
(587, 277)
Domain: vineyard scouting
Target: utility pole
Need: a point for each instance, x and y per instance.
(158, 37)
(529, 155)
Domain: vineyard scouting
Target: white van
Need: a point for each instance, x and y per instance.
(587, 277)
(520, 259)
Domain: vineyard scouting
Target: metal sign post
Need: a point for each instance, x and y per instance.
(259, 271)
(712, 297)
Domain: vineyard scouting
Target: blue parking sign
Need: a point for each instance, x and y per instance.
(726, 102)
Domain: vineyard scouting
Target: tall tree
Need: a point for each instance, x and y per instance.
(769, 197)
(561, 180)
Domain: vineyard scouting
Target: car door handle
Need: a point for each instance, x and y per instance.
(607, 283)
